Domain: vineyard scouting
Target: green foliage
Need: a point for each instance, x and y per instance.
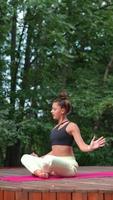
(47, 46)
(34, 136)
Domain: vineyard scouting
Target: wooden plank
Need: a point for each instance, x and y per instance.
(1, 194)
(9, 195)
(108, 196)
(79, 196)
(63, 195)
(21, 195)
(49, 196)
(101, 196)
(35, 195)
(93, 196)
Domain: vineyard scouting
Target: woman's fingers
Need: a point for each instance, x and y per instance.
(100, 142)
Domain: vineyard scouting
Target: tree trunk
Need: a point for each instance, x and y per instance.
(12, 152)
(27, 65)
(108, 68)
(12, 155)
(14, 66)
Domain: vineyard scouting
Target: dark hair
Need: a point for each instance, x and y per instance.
(63, 101)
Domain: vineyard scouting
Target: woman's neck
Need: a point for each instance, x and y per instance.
(62, 121)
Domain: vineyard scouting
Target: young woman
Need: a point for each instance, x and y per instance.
(61, 160)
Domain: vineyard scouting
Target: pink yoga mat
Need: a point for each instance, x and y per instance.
(78, 176)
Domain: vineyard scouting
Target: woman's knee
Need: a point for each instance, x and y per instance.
(24, 158)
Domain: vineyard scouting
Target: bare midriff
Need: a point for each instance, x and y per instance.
(62, 150)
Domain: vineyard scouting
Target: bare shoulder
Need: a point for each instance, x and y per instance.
(72, 127)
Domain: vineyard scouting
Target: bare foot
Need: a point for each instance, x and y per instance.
(53, 173)
(41, 174)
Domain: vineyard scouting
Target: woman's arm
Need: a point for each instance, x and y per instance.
(94, 144)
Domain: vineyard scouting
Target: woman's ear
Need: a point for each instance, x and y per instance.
(63, 111)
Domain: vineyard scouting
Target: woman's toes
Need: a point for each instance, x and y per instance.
(41, 174)
(44, 175)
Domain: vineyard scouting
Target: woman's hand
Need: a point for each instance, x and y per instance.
(95, 144)
(34, 154)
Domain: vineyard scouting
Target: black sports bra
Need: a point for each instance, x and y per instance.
(59, 136)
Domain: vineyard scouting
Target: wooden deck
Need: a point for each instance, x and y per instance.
(61, 189)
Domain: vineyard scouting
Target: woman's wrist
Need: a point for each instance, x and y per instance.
(89, 148)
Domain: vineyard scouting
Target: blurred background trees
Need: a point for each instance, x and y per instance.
(47, 46)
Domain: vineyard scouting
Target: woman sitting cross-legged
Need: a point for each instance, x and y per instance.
(61, 160)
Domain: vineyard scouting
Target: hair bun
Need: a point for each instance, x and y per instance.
(63, 95)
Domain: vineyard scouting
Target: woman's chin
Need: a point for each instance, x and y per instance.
(54, 118)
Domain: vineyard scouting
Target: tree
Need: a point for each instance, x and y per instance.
(48, 46)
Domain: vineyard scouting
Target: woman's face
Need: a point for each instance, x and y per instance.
(57, 111)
